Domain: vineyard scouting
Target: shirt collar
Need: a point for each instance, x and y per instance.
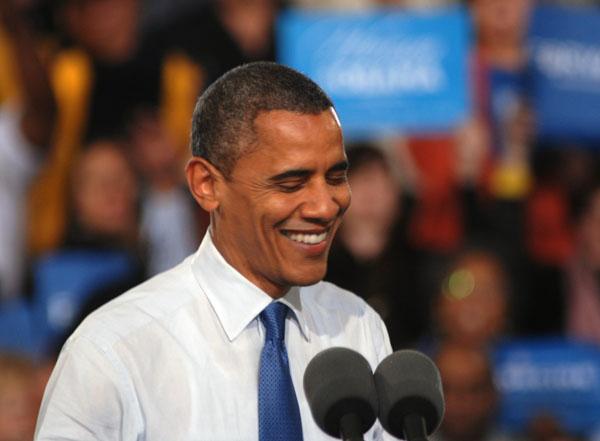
(235, 300)
(294, 301)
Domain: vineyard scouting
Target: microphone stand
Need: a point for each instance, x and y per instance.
(351, 427)
(414, 428)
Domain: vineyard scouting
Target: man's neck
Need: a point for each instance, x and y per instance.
(272, 289)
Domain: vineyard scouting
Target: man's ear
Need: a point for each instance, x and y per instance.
(202, 178)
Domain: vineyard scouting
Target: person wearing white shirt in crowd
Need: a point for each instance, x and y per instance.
(26, 126)
(178, 357)
(18, 165)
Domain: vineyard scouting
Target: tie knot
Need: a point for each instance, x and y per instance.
(273, 318)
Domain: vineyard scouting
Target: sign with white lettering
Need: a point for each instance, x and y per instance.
(384, 70)
(553, 377)
(564, 45)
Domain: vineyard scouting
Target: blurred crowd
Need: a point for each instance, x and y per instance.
(460, 239)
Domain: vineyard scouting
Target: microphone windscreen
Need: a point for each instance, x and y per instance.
(408, 382)
(338, 382)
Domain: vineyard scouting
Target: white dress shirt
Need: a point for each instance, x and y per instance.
(177, 357)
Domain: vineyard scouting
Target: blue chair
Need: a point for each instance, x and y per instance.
(64, 281)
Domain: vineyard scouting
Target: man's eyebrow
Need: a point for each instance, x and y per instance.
(304, 173)
(289, 174)
(340, 166)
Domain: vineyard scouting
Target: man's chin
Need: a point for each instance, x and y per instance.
(309, 277)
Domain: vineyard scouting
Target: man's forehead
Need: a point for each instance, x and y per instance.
(329, 110)
(289, 121)
(282, 136)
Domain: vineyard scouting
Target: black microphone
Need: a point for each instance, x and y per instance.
(411, 401)
(340, 390)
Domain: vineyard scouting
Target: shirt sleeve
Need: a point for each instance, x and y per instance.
(86, 397)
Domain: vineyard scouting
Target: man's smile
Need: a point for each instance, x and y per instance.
(309, 238)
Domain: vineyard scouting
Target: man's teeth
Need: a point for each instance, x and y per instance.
(308, 238)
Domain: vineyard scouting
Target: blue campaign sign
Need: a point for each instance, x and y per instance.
(564, 46)
(555, 377)
(385, 70)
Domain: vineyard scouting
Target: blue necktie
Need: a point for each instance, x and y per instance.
(278, 412)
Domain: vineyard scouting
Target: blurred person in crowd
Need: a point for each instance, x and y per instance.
(563, 175)
(169, 221)
(501, 27)
(472, 307)
(223, 34)
(104, 222)
(549, 242)
(583, 270)
(158, 13)
(105, 72)
(546, 427)
(122, 72)
(26, 125)
(104, 198)
(502, 119)
(18, 403)
(502, 102)
(464, 198)
(370, 255)
(470, 394)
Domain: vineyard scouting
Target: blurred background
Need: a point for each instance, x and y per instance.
(473, 134)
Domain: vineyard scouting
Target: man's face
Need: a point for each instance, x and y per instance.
(284, 200)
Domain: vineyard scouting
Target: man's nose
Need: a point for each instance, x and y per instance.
(324, 202)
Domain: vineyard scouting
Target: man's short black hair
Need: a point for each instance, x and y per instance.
(222, 124)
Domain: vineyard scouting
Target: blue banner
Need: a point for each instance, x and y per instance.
(564, 46)
(385, 70)
(553, 377)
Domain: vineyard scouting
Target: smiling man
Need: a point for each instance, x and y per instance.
(216, 348)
